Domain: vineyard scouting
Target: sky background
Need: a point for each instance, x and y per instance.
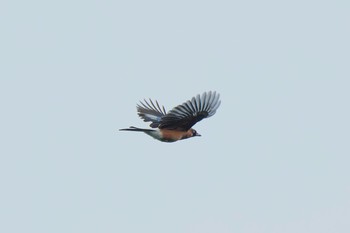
(274, 158)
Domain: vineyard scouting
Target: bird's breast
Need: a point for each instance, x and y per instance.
(173, 135)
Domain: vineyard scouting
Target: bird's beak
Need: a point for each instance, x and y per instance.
(198, 135)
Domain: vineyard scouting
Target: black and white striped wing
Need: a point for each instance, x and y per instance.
(151, 112)
(184, 116)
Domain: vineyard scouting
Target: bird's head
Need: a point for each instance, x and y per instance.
(195, 133)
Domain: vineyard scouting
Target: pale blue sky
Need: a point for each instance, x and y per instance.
(274, 158)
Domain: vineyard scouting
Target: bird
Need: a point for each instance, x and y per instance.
(177, 123)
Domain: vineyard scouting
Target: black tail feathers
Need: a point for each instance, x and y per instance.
(132, 128)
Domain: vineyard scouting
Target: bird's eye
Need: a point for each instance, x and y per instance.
(194, 132)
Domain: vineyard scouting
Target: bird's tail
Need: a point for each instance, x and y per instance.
(132, 128)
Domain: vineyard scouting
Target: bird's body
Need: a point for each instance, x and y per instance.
(177, 123)
(164, 135)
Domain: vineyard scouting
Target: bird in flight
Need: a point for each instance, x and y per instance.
(177, 123)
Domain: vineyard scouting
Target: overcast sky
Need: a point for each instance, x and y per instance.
(274, 158)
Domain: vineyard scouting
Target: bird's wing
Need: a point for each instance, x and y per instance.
(151, 112)
(184, 116)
